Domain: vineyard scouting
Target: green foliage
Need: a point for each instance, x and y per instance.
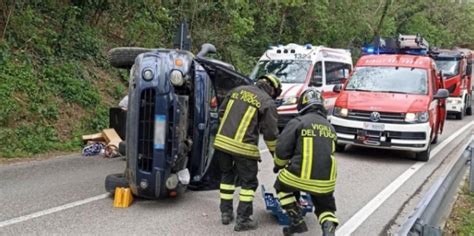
(56, 83)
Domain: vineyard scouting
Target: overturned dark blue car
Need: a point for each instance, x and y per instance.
(171, 118)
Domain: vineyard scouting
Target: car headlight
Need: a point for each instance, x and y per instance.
(289, 100)
(176, 78)
(419, 117)
(147, 74)
(341, 112)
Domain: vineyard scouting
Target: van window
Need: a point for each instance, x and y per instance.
(390, 80)
(336, 72)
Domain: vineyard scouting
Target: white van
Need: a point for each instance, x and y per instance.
(299, 67)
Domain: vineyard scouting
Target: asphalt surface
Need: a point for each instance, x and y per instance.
(40, 186)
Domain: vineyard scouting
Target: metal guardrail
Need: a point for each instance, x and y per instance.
(428, 215)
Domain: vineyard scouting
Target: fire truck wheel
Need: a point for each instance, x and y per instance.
(424, 155)
(340, 147)
(124, 57)
(115, 180)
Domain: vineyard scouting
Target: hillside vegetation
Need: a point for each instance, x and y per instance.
(56, 84)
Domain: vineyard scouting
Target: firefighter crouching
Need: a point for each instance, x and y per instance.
(246, 112)
(305, 156)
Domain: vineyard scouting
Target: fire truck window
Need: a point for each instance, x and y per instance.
(317, 76)
(449, 66)
(336, 72)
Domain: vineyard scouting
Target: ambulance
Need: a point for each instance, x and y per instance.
(394, 99)
(301, 66)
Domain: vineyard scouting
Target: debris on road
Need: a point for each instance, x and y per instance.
(106, 142)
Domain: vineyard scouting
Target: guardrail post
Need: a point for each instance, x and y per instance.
(471, 171)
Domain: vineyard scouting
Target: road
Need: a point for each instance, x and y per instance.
(66, 195)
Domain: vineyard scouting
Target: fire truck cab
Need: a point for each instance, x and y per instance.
(394, 99)
(299, 67)
(456, 66)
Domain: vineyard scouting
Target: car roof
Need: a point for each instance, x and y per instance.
(401, 60)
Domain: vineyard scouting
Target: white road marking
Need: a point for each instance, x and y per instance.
(358, 218)
(52, 210)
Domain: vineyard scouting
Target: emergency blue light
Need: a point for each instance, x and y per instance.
(308, 46)
(370, 50)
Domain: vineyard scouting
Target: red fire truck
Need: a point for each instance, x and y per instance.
(456, 66)
(394, 99)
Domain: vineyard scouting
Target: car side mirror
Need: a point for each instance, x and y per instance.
(441, 94)
(316, 83)
(337, 88)
(206, 49)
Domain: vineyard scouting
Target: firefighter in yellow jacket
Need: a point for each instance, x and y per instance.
(305, 155)
(246, 112)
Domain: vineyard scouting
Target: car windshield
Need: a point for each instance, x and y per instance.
(389, 79)
(449, 66)
(288, 71)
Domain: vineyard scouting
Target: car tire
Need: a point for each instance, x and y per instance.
(124, 57)
(424, 156)
(340, 147)
(115, 180)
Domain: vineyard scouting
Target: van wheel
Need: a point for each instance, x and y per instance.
(424, 155)
(340, 147)
(124, 57)
(115, 180)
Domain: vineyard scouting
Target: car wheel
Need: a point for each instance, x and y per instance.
(124, 57)
(340, 147)
(424, 155)
(115, 180)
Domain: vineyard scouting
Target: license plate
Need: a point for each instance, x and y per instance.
(374, 126)
(372, 142)
(160, 132)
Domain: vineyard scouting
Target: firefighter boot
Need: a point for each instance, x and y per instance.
(244, 224)
(297, 224)
(329, 228)
(227, 217)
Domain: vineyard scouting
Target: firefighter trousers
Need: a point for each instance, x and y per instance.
(324, 204)
(245, 171)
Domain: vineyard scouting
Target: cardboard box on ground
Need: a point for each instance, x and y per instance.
(108, 137)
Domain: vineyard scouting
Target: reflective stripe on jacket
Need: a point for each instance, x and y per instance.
(246, 112)
(306, 148)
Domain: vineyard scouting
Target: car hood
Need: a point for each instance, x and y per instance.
(384, 102)
(291, 89)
